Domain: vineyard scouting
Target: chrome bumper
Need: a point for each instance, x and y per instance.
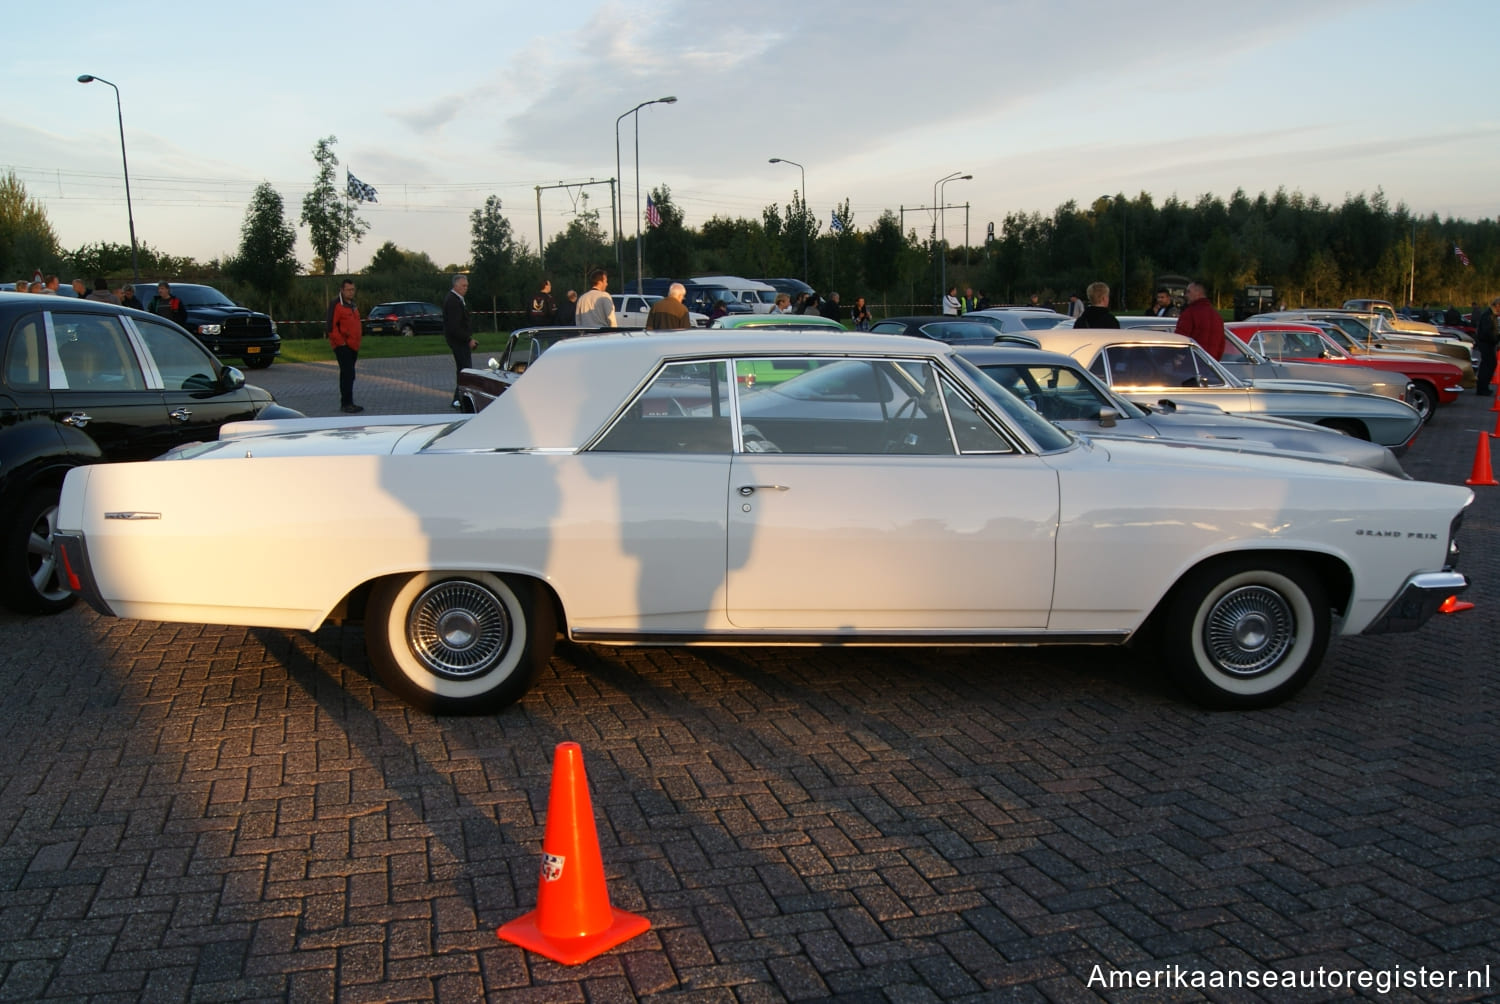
(1417, 601)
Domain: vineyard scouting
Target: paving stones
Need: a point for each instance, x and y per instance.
(212, 813)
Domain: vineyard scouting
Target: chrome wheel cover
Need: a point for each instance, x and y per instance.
(1249, 630)
(458, 629)
(41, 559)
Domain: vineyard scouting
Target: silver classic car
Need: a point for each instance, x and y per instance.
(1150, 367)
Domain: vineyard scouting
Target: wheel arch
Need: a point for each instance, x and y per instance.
(351, 606)
(1332, 572)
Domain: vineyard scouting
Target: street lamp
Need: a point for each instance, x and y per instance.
(135, 266)
(943, 215)
(619, 260)
(946, 178)
(802, 193)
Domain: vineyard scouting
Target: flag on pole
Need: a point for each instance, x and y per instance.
(358, 190)
(1462, 257)
(837, 225)
(653, 215)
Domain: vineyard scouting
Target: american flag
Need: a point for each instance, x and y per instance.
(358, 190)
(1462, 257)
(653, 215)
(836, 224)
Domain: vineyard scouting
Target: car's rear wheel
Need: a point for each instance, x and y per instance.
(1424, 398)
(259, 362)
(1246, 632)
(30, 573)
(458, 642)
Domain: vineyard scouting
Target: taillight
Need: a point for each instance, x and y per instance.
(390, 317)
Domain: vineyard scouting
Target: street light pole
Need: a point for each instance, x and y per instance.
(941, 289)
(943, 215)
(135, 264)
(802, 192)
(619, 258)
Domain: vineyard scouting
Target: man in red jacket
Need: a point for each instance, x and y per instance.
(344, 330)
(1201, 322)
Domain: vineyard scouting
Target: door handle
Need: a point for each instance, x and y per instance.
(181, 414)
(78, 419)
(751, 489)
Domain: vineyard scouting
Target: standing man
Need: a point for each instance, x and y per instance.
(951, 306)
(127, 297)
(1162, 306)
(1096, 314)
(1485, 331)
(669, 312)
(831, 308)
(1075, 306)
(170, 307)
(969, 302)
(458, 331)
(543, 310)
(595, 308)
(1201, 322)
(567, 311)
(343, 330)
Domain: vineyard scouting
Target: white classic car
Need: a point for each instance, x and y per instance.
(862, 489)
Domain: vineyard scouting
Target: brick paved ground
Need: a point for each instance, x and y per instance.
(201, 813)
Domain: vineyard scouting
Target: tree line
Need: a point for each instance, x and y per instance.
(1313, 252)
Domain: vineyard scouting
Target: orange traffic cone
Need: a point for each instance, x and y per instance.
(1482, 474)
(1454, 605)
(573, 920)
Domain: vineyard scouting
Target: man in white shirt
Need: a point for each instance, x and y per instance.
(595, 307)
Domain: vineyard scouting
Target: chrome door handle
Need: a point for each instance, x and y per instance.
(181, 414)
(78, 419)
(751, 489)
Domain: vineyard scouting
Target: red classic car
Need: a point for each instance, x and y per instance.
(1433, 381)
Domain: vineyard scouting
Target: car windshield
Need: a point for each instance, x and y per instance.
(1042, 323)
(1048, 437)
(1059, 393)
(202, 296)
(1165, 366)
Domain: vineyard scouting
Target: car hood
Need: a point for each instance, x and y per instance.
(321, 437)
(1246, 457)
(209, 313)
(1282, 435)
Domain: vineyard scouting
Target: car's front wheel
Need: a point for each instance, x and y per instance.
(458, 642)
(1246, 632)
(31, 577)
(1424, 398)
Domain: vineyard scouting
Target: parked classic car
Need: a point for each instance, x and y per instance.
(1152, 366)
(1433, 381)
(1377, 347)
(968, 329)
(630, 490)
(1068, 395)
(1371, 330)
(223, 326)
(478, 386)
(85, 382)
(1022, 319)
(405, 318)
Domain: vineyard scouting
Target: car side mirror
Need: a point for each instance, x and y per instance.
(231, 378)
(494, 364)
(1108, 417)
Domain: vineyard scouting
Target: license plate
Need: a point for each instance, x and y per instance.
(251, 350)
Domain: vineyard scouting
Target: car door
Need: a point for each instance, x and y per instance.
(946, 527)
(196, 395)
(99, 387)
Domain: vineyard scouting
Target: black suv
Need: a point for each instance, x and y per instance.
(83, 382)
(404, 317)
(228, 329)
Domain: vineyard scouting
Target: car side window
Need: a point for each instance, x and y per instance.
(844, 407)
(94, 354)
(26, 355)
(182, 364)
(685, 409)
(973, 432)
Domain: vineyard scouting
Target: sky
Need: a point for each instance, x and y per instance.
(1041, 102)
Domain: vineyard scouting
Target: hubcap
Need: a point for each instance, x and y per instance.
(41, 560)
(1249, 630)
(458, 629)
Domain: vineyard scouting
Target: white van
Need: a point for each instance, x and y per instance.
(758, 296)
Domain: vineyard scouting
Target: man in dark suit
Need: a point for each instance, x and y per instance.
(458, 331)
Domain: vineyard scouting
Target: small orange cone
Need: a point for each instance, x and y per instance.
(1482, 474)
(1454, 605)
(573, 920)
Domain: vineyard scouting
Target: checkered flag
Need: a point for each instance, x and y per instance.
(358, 190)
(836, 224)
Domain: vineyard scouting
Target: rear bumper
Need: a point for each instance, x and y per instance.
(1417, 601)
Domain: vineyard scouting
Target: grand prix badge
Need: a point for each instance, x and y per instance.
(552, 867)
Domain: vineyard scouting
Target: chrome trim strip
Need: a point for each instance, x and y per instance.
(867, 638)
(132, 515)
